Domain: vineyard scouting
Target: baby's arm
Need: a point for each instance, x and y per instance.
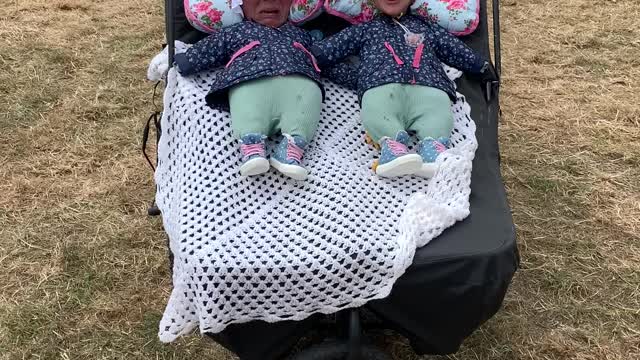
(333, 49)
(344, 73)
(453, 52)
(207, 53)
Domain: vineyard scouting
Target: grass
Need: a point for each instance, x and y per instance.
(84, 271)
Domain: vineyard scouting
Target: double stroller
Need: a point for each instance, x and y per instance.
(454, 284)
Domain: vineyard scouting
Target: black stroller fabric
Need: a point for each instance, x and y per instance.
(456, 282)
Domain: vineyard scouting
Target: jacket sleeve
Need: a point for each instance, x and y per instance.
(453, 52)
(337, 47)
(206, 54)
(344, 73)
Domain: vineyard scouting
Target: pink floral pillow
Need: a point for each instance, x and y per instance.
(459, 17)
(354, 11)
(211, 15)
(305, 10)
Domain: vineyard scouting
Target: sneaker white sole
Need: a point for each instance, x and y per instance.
(293, 171)
(405, 165)
(427, 170)
(254, 167)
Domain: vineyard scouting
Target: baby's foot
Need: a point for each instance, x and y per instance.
(395, 159)
(430, 149)
(254, 161)
(287, 157)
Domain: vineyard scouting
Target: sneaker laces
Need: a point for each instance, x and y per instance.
(397, 148)
(440, 147)
(249, 150)
(294, 152)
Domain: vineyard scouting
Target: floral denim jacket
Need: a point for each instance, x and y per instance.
(387, 57)
(249, 51)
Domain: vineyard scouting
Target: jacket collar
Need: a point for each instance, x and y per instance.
(389, 20)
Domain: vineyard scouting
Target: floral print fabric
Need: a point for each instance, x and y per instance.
(250, 51)
(211, 15)
(459, 17)
(305, 10)
(386, 57)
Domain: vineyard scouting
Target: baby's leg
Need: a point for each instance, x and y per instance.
(298, 103)
(251, 108)
(432, 120)
(383, 110)
(252, 120)
(429, 111)
(383, 116)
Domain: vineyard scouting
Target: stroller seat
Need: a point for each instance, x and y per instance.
(452, 285)
(271, 248)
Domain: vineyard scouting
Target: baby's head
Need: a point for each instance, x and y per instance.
(393, 7)
(272, 13)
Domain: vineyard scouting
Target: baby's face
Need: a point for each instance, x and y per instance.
(393, 7)
(272, 13)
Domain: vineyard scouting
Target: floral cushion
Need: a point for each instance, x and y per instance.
(459, 17)
(211, 15)
(354, 11)
(305, 10)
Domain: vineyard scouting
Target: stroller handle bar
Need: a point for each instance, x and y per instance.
(169, 13)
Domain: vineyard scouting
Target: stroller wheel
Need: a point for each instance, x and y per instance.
(339, 351)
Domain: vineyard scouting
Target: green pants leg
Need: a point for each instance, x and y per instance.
(251, 108)
(300, 104)
(383, 111)
(290, 104)
(390, 108)
(429, 112)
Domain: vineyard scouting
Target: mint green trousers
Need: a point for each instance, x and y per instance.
(287, 104)
(391, 108)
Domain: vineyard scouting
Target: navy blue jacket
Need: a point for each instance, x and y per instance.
(386, 57)
(249, 51)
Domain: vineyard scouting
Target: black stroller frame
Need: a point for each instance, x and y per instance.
(468, 277)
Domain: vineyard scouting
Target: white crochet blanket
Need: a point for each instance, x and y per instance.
(270, 248)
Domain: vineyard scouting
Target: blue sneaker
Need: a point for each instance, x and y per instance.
(430, 149)
(395, 159)
(254, 161)
(287, 157)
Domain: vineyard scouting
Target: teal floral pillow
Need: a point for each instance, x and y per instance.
(211, 15)
(354, 11)
(305, 10)
(459, 17)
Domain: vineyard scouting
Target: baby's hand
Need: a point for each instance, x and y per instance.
(159, 65)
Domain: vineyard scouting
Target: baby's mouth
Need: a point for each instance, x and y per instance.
(270, 12)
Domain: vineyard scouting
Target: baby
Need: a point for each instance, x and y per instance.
(401, 84)
(270, 84)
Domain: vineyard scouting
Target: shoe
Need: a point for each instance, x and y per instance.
(429, 149)
(287, 157)
(254, 161)
(395, 159)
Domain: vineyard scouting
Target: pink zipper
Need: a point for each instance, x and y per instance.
(418, 56)
(313, 58)
(395, 57)
(242, 50)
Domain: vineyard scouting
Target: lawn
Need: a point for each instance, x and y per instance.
(84, 272)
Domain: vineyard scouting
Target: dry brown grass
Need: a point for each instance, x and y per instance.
(84, 271)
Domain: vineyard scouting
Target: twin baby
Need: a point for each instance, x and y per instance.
(271, 84)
